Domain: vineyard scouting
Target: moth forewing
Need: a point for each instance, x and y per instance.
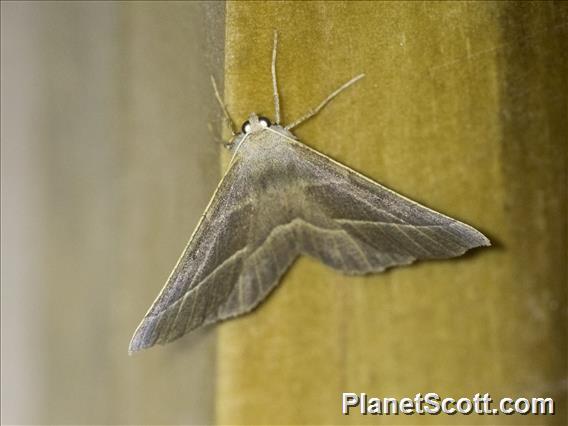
(482, 239)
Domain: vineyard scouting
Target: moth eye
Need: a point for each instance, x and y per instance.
(246, 127)
(264, 122)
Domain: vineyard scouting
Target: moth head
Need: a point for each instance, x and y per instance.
(254, 124)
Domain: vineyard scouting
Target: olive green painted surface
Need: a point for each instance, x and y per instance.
(463, 109)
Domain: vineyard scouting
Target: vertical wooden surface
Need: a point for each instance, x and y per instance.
(463, 108)
(107, 164)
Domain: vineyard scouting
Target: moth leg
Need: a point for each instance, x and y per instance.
(317, 109)
(217, 138)
(226, 114)
(274, 85)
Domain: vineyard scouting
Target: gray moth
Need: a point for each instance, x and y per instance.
(280, 199)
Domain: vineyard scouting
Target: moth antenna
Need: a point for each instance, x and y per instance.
(228, 118)
(274, 81)
(317, 109)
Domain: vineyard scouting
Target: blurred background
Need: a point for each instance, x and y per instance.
(108, 159)
(111, 149)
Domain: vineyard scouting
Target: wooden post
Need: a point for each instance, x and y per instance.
(463, 108)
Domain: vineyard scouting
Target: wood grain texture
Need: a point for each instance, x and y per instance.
(464, 109)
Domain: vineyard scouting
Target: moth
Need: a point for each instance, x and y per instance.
(280, 199)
